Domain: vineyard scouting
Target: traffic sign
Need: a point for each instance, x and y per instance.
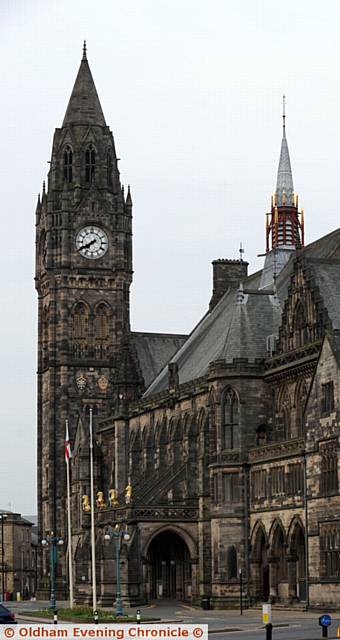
(325, 620)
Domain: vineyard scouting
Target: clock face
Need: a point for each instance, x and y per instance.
(92, 242)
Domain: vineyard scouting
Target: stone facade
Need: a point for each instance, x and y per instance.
(229, 437)
(20, 558)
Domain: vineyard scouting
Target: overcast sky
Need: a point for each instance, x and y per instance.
(192, 90)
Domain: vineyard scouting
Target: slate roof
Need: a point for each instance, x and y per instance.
(335, 344)
(238, 326)
(327, 277)
(154, 350)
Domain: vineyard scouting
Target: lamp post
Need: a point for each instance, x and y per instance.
(3, 516)
(241, 591)
(117, 535)
(53, 542)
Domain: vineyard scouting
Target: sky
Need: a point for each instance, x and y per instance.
(192, 90)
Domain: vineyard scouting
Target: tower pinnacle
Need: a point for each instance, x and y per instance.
(284, 115)
(284, 182)
(284, 224)
(84, 107)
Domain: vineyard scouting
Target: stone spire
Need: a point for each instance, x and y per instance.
(284, 184)
(284, 222)
(84, 106)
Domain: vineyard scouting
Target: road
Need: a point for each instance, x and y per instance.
(224, 625)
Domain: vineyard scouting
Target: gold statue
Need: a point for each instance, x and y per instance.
(128, 494)
(113, 498)
(86, 503)
(100, 500)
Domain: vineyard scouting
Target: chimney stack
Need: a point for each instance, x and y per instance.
(226, 274)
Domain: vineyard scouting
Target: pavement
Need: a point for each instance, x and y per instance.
(288, 624)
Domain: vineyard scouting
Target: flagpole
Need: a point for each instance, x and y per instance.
(93, 541)
(70, 555)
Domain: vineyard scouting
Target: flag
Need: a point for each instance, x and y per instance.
(68, 452)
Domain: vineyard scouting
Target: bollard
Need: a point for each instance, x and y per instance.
(325, 621)
(269, 631)
(55, 616)
(138, 616)
(95, 616)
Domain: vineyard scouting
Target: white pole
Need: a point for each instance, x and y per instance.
(93, 540)
(70, 555)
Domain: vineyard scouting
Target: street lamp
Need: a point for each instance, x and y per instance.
(117, 535)
(3, 516)
(53, 542)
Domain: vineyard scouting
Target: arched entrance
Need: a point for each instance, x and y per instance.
(297, 563)
(170, 567)
(260, 565)
(278, 564)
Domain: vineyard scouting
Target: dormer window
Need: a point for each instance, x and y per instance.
(68, 159)
(90, 164)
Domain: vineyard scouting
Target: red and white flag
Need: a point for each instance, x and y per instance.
(68, 452)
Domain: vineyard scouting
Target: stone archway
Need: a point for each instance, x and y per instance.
(278, 564)
(260, 565)
(169, 561)
(297, 563)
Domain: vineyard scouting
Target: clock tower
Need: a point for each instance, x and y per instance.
(83, 277)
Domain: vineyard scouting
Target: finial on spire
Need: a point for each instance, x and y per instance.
(84, 51)
(241, 252)
(43, 187)
(284, 115)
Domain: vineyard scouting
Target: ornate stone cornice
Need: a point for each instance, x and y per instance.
(294, 363)
(285, 449)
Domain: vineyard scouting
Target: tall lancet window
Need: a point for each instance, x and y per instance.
(90, 163)
(230, 421)
(109, 167)
(68, 160)
(80, 330)
(102, 331)
(300, 326)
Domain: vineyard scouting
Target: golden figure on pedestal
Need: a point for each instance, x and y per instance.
(86, 503)
(128, 494)
(101, 504)
(113, 498)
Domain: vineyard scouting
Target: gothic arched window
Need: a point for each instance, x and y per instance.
(230, 421)
(90, 163)
(232, 563)
(283, 419)
(329, 482)
(68, 160)
(300, 325)
(102, 322)
(80, 330)
(301, 397)
(102, 330)
(109, 169)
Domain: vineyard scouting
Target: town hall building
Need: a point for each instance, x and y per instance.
(216, 452)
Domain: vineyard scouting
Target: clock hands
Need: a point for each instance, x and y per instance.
(86, 246)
